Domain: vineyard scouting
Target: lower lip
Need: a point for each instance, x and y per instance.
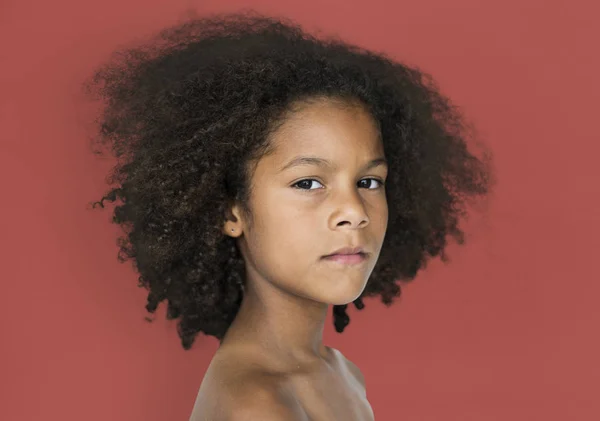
(347, 259)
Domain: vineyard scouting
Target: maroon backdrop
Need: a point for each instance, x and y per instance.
(507, 330)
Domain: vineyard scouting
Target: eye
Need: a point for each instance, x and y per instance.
(304, 183)
(381, 183)
(307, 182)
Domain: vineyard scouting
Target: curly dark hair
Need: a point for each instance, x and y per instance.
(187, 112)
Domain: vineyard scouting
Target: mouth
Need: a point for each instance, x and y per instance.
(347, 259)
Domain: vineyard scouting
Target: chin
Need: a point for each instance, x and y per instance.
(345, 295)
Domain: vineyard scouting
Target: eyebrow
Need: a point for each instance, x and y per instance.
(321, 162)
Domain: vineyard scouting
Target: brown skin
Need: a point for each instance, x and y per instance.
(289, 286)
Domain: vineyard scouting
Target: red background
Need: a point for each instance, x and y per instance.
(507, 330)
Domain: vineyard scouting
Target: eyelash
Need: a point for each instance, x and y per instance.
(381, 183)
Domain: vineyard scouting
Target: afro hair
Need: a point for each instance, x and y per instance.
(186, 112)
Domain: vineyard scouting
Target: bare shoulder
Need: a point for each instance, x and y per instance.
(260, 400)
(234, 391)
(353, 368)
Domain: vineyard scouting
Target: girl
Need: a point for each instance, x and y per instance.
(265, 175)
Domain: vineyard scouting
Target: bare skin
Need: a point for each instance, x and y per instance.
(239, 381)
(272, 363)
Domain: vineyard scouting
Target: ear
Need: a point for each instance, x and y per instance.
(233, 225)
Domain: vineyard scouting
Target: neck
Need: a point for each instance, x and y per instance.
(284, 328)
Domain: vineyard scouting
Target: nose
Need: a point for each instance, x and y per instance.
(349, 211)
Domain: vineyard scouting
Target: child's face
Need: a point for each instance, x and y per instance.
(294, 227)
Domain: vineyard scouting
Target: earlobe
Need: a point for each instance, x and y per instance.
(230, 230)
(232, 226)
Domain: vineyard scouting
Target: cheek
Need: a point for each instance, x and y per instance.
(384, 221)
(291, 239)
(382, 213)
(284, 243)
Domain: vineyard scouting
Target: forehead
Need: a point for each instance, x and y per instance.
(339, 132)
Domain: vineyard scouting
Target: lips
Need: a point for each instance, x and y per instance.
(347, 250)
(348, 259)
